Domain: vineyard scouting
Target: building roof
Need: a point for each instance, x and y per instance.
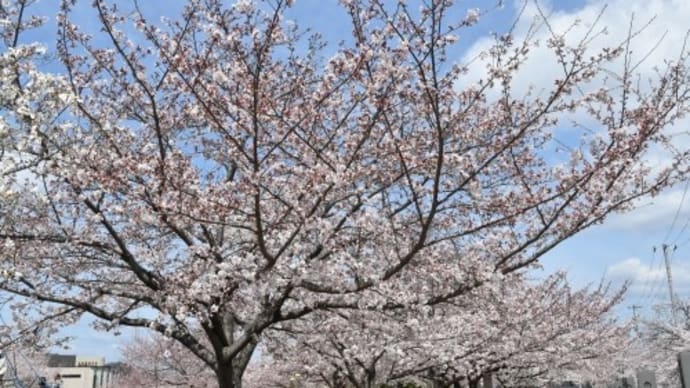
(61, 360)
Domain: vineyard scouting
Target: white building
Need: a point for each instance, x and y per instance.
(71, 371)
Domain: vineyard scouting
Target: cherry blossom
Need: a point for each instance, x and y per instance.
(154, 360)
(524, 334)
(219, 171)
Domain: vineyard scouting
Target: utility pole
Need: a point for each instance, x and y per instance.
(634, 309)
(667, 251)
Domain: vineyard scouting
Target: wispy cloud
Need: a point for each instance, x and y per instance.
(659, 213)
(648, 277)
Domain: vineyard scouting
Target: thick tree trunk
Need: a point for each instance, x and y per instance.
(221, 335)
(230, 371)
(226, 378)
(371, 378)
(230, 376)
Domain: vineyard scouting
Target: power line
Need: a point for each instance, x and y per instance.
(682, 230)
(675, 216)
(646, 289)
(684, 242)
(656, 284)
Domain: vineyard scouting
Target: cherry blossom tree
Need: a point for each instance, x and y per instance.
(158, 361)
(524, 334)
(268, 372)
(660, 338)
(549, 333)
(214, 170)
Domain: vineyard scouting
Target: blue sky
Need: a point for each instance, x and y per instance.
(619, 249)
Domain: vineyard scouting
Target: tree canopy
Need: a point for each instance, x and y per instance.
(217, 171)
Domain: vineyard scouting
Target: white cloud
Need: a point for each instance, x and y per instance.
(660, 40)
(648, 277)
(541, 68)
(657, 214)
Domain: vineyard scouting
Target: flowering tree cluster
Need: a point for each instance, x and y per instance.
(157, 361)
(653, 343)
(523, 334)
(216, 171)
(658, 341)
